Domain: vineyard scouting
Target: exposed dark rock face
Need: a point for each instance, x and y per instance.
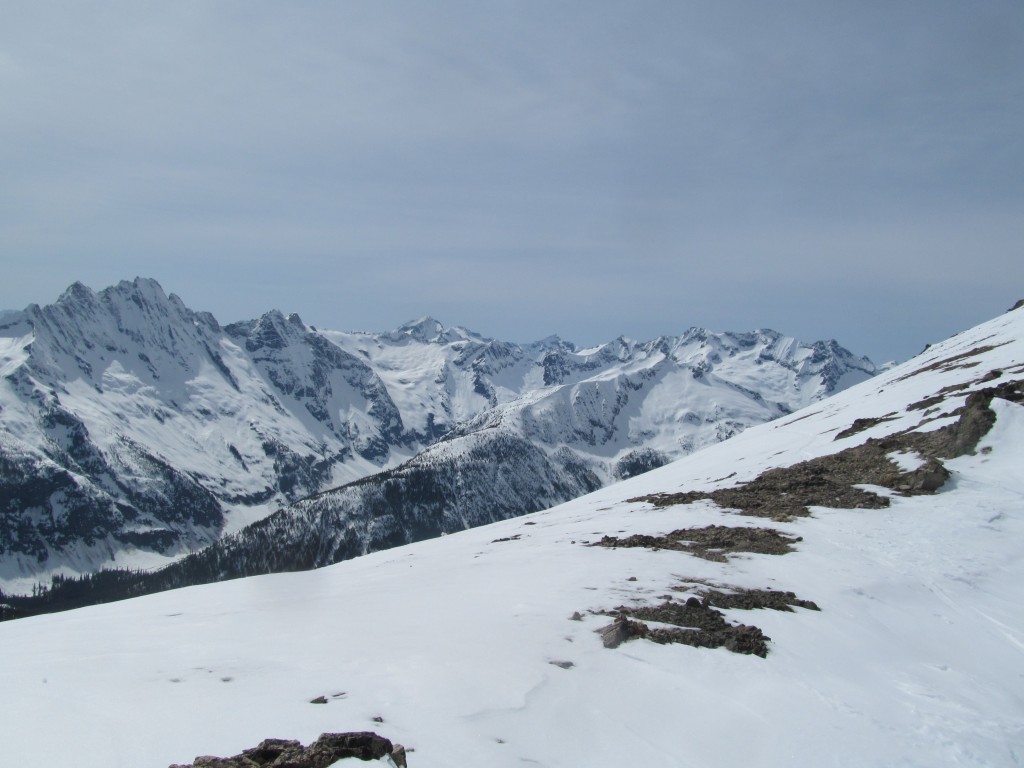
(328, 749)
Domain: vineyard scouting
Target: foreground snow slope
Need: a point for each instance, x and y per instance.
(916, 657)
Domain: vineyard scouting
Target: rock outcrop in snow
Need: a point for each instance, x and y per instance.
(324, 752)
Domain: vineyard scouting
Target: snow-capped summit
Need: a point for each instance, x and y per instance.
(426, 329)
(135, 429)
(841, 587)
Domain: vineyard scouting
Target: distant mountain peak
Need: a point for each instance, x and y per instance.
(430, 330)
(425, 329)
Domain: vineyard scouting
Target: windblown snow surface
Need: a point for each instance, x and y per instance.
(916, 657)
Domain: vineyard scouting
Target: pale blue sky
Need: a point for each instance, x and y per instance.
(589, 169)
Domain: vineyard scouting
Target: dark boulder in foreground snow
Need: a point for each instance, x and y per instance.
(325, 751)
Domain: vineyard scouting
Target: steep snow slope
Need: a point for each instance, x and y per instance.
(913, 659)
(133, 430)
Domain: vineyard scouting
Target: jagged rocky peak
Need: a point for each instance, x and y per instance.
(621, 347)
(271, 330)
(128, 302)
(132, 321)
(554, 341)
(77, 293)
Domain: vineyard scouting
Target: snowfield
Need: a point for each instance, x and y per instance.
(916, 657)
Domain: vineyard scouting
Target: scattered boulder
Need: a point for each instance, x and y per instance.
(621, 630)
(925, 479)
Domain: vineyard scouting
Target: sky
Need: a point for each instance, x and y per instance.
(588, 169)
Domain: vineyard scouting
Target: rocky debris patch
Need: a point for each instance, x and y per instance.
(953, 389)
(828, 481)
(713, 542)
(920, 405)
(750, 599)
(325, 751)
(975, 419)
(691, 623)
(786, 493)
(859, 425)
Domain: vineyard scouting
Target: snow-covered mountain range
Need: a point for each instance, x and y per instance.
(134, 429)
(841, 587)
